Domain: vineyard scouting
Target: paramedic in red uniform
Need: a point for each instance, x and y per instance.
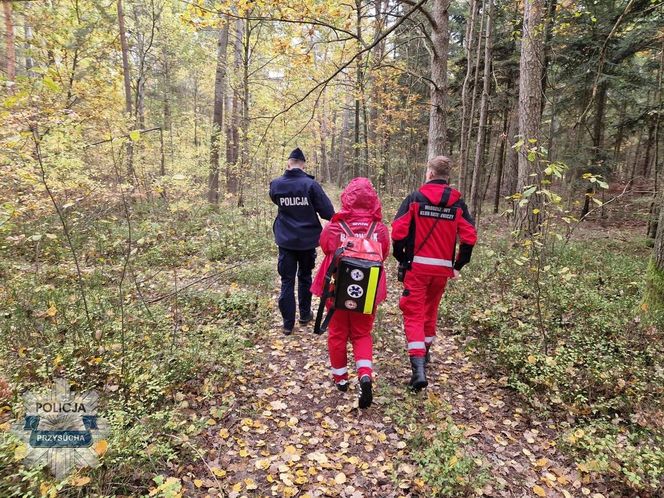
(301, 200)
(360, 208)
(424, 233)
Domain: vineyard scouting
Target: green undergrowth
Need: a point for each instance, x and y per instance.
(572, 340)
(164, 317)
(443, 456)
(653, 299)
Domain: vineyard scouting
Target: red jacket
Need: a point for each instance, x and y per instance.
(360, 207)
(426, 228)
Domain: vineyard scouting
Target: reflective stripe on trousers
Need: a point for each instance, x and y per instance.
(339, 371)
(416, 345)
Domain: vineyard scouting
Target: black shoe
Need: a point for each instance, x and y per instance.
(418, 380)
(306, 319)
(287, 331)
(427, 357)
(342, 387)
(366, 396)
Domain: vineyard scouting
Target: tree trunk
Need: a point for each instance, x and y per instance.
(598, 141)
(654, 294)
(548, 36)
(465, 158)
(233, 131)
(658, 119)
(218, 115)
(333, 146)
(376, 103)
(463, 145)
(620, 135)
(502, 156)
(244, 124)
(10, 62)
(645, 168)
(440, 38)
(195, 112)
(167, 117)
(530, 100)
(28, 33)
(598, 123)
(127, 85)
(345, 126)
(475, 197)
(162, 162)
(356, 128)
(357, 166)
(140, 102)
(511, 155)
(635, 159)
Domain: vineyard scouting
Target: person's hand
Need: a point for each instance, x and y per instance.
(456, 274)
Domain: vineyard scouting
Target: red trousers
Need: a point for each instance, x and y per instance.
(357, 327)
(419, 305)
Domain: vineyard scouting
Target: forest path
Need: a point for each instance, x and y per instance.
(287, 431)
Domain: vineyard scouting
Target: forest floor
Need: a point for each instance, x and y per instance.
(289, 432)
(209, 398)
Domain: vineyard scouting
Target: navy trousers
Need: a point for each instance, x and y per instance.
(291, 264)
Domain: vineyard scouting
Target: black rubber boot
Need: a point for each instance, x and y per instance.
(342, 387)
(427, 357)
(418, 380)
(366, 395)
(306, 319)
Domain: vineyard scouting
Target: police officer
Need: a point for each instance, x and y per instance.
(424, 235)
(300, 200)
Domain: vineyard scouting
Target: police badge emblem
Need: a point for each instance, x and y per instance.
(61, 429)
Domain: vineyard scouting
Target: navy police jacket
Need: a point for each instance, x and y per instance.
(300, 200)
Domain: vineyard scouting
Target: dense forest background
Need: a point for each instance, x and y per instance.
(138, 140)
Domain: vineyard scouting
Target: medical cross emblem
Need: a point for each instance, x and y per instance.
(355, 291)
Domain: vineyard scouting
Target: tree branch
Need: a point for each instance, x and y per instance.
(424, 11)
(313, 22)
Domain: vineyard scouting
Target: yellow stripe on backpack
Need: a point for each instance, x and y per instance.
(372, 287)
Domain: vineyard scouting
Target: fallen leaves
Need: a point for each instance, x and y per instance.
(539, 490)
(101, 447)
(219, 472)
(305, 439)
(340, 478)
(20, 452)
(278, 405)
(321, 458)
(81, 481)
